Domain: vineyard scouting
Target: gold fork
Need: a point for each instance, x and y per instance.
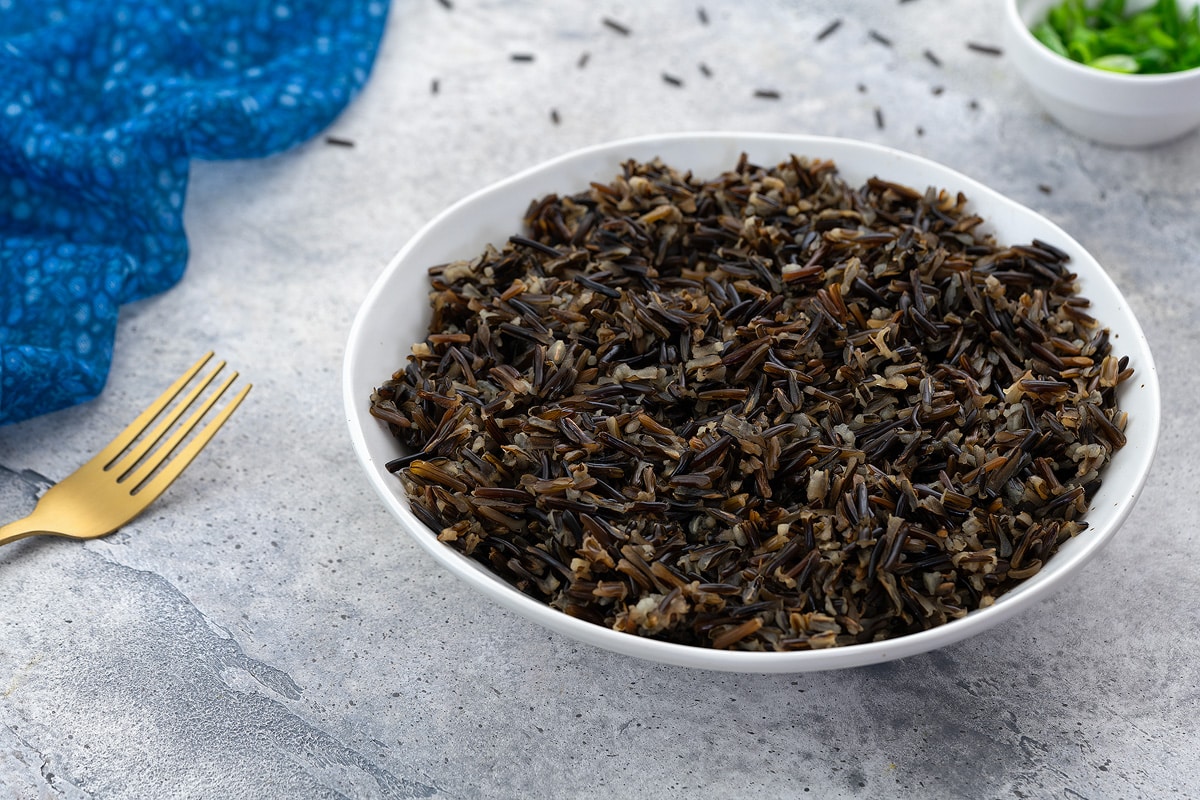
(125, 477)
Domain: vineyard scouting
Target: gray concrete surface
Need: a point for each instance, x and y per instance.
(266, 631)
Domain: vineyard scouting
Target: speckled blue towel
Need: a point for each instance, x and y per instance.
(102, 105)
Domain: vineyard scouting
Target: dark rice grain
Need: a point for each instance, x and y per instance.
(985, 49)
(618, 27)
(829, 30)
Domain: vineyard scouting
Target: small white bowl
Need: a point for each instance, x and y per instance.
(396, 314)
(1107, 107)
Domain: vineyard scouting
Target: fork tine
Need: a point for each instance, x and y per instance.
(140, 477)
(152, 488)
(143, 421)
(130, 461)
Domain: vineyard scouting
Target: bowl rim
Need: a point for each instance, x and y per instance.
(1023, 597)
(1016, 22)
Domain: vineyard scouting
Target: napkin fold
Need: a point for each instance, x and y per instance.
(103, 103)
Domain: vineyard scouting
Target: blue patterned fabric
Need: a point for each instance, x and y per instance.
(102, 105)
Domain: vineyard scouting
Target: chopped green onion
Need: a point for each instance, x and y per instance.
(1047, 35)
(1115, 62)
(1156, 39)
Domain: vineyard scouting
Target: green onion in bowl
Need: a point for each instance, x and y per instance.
(1155, 39)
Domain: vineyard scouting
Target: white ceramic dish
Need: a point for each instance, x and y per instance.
(395, 314)
(1107, 107)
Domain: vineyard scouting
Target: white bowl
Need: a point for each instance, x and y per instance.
(395, 314)
(1107, 107)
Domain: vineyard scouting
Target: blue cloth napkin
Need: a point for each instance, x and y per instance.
(102, 105)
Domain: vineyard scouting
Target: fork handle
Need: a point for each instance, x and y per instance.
(19, 530)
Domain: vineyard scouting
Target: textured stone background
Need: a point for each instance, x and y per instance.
(265, 631)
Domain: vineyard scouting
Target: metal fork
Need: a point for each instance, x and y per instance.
(128, 474)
